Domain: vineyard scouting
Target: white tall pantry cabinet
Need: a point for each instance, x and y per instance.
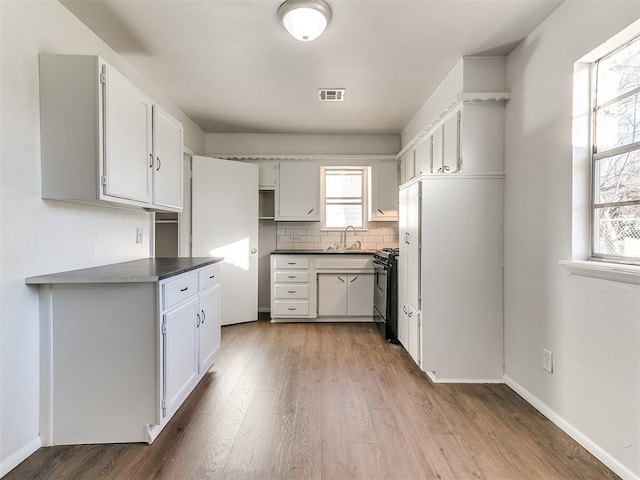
(450, 312)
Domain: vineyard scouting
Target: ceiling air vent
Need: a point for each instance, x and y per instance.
(331, 94)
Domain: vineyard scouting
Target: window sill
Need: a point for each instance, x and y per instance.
(605, 271)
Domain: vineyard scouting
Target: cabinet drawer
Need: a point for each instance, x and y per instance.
(208, 276)
(292, 291)
(292, 308)
(292, 277)
(175, 291)
(292, 262)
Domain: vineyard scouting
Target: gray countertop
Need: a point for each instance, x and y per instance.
(322, 252)
(143, 270)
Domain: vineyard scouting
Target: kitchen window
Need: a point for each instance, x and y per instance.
(616, 155)
(343, 197)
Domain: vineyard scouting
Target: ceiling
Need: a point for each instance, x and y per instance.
(232, 67)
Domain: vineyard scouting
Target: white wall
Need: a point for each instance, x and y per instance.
(302, 144)
(38, 236)
(591, 325)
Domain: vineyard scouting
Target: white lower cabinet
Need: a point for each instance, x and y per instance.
(307, 286)
(410, 331)
(119, 374)
(190, 333)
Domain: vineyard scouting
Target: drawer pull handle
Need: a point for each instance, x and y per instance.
(341, 279)
(353, 279)
(291, 263)
(212, 276)
(291, 308)
(203, 316)
(198, 322)
(381, 212)
(291, 291)
(309, 212)
(184, 289)
(292, 276)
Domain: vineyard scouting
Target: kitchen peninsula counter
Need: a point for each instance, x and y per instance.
(143, 270)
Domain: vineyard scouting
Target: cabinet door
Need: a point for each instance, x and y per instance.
(403, 323)
(360, 295)
(413, 334)
(436, 151)
(451, 143)
(297, 195)
(412, 264)
(180, 353)
(168, 160)
(209, 340)
(332, 295)
(267, 174)
(404, 246)
(423, 157)
(127, 139)
(383, 191)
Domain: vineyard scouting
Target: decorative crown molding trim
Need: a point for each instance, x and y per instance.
(462, 98)
(253, 156)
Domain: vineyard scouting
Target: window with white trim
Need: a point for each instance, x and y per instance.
(344, 197)
(616, 155)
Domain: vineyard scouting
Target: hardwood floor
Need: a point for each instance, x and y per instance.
(331, 401)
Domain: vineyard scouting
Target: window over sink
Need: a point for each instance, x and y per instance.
(344, 197)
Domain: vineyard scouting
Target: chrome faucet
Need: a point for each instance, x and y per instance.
(345, 233)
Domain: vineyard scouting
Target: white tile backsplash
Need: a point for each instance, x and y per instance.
(310, 236)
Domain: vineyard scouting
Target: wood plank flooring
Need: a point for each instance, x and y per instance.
(331, 401)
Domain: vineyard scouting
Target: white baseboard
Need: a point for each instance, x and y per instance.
(435, 379)
(20, 456)
(570, 430)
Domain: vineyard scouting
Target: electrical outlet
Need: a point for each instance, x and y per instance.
(547, 360)
(138, 235)
(294, 234)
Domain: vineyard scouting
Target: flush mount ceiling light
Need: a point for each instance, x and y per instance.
(305, 20)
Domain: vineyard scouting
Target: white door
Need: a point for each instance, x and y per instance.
(225, 224)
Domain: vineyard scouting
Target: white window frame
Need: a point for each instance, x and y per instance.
(596, 156)
(365, 196)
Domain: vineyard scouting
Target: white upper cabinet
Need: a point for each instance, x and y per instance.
(423, 157)
(167, 162)
(298, 192)
(451, 144)
(99, 140)
(267, 174)
(383, 192)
